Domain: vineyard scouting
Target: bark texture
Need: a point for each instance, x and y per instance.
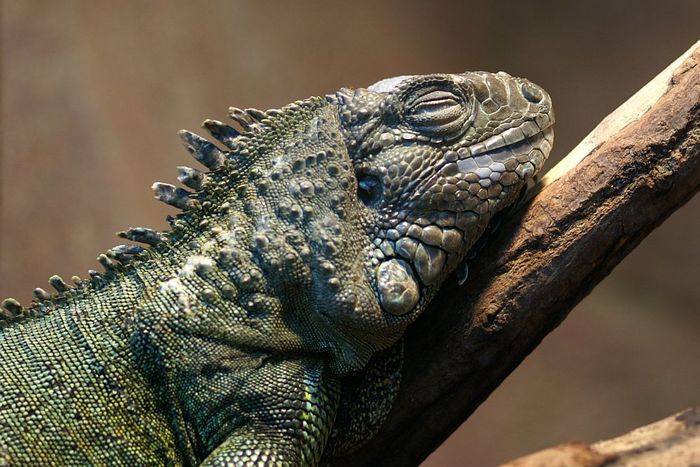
(635, 169)
(671, 442)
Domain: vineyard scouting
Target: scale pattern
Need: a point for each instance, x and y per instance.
(264, 328)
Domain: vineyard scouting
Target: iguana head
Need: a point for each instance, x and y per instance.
(435, 157)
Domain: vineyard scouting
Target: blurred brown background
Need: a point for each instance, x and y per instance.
(92, 94)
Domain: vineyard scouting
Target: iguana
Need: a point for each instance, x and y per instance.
(264, 327)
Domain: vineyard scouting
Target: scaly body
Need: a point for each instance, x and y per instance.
(265, 326)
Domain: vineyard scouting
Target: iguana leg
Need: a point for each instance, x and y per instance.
(288, 409)
(366, 399)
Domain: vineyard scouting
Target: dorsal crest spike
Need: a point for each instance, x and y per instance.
(106, 262)
(242, 117)
(256, 114)
(124, 253)
(172, 195)
(12, 307)
(41, 294)
(58, 283)
(142, 235)
(202, 150)
(191, 178)
(221, 132)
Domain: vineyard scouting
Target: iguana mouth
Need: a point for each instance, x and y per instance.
(516, 136)
(467, 178)
(498, 160)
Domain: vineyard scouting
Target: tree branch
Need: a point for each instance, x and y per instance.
(672, 442)
(639, 165)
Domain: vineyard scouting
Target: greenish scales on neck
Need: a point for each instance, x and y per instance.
(265, 326)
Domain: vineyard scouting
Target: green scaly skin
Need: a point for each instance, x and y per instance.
(264, 327)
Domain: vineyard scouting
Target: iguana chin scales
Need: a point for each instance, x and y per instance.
(265, 326)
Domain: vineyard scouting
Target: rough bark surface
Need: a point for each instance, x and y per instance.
(671, 442)
(637, 167)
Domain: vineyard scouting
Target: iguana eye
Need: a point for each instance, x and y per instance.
(439, 112)
(369, 189)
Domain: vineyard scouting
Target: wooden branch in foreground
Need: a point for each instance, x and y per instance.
(671, 442)
(637, 167)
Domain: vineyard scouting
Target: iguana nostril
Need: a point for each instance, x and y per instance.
(532, 93)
